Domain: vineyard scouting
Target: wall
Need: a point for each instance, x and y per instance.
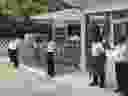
(99, 4)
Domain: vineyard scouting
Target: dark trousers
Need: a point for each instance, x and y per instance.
(51, 64)
(101, 77)
(13, 55)
(16, 63)
(121, 74)
(99, 69)
(95, 77)
(37, 56)
(101, 62)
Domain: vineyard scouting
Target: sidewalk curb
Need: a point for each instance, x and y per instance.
(4, 59)
(35, 71)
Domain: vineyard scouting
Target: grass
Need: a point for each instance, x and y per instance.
(7, 72)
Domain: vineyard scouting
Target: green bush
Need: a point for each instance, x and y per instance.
(23, 7)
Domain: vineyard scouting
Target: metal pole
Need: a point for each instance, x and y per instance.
(53, 29)
(108, 33)
(111, 31)
(66, 31)
(112, 34)
(84, 18)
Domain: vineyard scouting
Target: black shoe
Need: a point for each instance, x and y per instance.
(101, 85)
(117, 90)
(93, 84)
(52, 75)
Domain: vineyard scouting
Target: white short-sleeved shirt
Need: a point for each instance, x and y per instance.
(51, 46)
(13, 44)
(96, 47)
(120, 52)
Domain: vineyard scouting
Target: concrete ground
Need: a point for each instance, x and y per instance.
(30, 82)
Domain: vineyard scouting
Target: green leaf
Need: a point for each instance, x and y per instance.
(23, 7)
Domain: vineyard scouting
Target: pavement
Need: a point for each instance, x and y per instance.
(33, 82)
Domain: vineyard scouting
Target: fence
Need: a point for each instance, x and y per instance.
(4, 46)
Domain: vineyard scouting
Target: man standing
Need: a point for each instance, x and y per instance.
(51, 63)
(13, 50)
(95, 54)
(37, 48)
(75, 38)
(121, 61)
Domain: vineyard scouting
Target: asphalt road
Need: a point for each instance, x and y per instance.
(28, 83)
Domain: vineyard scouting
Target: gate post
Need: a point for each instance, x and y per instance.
(83, 58)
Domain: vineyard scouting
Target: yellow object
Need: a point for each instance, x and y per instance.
(7, 72)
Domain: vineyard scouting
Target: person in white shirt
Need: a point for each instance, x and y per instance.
(40, 46)
(75, 37)
(121, 65)
(98, 52)
(50, 57)
(96, 56)
(13, 50)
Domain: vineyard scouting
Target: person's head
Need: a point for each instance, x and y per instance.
(28, 36)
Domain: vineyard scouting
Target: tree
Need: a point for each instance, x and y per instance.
(23, 7)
